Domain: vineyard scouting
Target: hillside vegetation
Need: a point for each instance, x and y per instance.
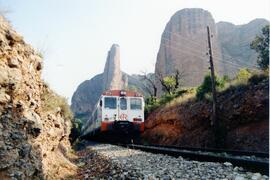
(242, 113)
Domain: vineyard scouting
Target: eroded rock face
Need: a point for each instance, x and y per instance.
(112, 75)
(32, 141)
(235, 44)
(184, 46)
(86, 96)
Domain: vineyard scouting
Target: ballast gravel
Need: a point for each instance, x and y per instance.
(135, 164)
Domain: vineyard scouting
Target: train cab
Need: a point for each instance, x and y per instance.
(117, 111)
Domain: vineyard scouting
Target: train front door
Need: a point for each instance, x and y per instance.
(123, 109)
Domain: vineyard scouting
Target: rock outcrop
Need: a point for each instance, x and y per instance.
(235, 44)
(86, 96)
(33, 141)
(184, 46)
(88, 92)
(112, 75)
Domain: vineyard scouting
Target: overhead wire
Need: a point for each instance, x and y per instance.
(229, 59)
(199, 45)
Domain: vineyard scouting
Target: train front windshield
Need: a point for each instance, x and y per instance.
(135, 104)
(110, 103)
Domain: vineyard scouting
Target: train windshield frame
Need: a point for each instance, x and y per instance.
(135, 103)
(110, 102)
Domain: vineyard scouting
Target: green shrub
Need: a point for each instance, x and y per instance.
(75, 130)
(206, 87)
(243, 75)
(152, 103)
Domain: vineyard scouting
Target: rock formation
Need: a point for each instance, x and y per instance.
(33, 140)
(235, 44)
(112, 75)
(86, 96)
(184, 46)
(88, 92)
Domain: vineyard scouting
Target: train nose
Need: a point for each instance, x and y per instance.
(122, 125)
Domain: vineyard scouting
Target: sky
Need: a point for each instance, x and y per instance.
(75, 36)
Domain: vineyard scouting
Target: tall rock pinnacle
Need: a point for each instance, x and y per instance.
(112, 75)
(184, 45)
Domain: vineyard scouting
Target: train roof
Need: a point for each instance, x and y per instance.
(126, 93)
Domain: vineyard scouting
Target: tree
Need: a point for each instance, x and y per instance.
(261, 45)
(171, 83)
(206, 86)
(149, 84)
(243, 75)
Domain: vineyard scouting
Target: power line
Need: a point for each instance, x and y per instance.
(199, 52)
(199, 45)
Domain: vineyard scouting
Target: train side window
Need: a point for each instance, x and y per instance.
(110, 102)
(123, 103)
(135, 104)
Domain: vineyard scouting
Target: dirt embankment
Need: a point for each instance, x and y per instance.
(243, 111)
(33, 141)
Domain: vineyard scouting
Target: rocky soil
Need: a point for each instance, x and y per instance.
(114, 162)
(243, 111)
(33, 141)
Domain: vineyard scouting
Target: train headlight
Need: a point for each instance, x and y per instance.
(123, 93)
(137, 119)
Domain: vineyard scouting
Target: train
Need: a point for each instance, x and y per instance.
(117, 111)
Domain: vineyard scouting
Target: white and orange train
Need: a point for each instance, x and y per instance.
(116, 110)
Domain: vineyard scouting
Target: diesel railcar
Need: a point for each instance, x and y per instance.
(116, 111)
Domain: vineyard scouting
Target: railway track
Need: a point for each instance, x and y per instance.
(236, 158)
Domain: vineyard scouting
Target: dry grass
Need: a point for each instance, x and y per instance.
(182, 99)
(52, 101)
(240, 81)
(245, 80)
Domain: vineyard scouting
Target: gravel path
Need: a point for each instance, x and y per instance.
(116, 162)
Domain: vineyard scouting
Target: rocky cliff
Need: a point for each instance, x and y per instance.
(86, 96)
(33, 140)
(112, 75)
(184, 46)
(235, 42)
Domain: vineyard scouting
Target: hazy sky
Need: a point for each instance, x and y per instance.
(75, 35)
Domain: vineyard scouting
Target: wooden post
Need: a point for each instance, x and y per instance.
(214, 113)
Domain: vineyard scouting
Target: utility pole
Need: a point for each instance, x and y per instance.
(214, 115)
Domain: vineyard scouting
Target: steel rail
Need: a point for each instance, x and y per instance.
(248, 164)
(214, 150)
